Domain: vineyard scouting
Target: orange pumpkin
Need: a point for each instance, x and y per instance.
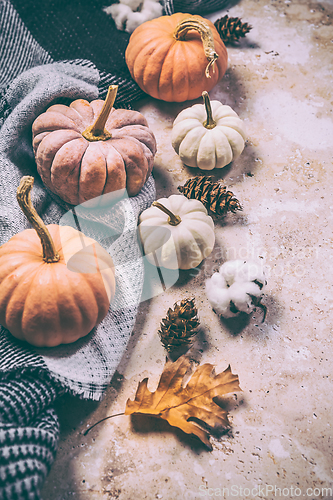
(56, 284)
(175, 58)
(87, 150)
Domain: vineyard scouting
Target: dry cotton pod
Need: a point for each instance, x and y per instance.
(176, 233)
(56, 284)
(208, 135)
(87, 150)
(175, 58)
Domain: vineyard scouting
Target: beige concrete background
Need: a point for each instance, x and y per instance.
(279, 81)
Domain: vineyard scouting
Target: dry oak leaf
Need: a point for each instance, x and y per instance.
(177, 404)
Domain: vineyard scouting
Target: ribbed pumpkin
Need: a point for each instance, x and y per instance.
(176, 233)
(208, 136)
(175, 58)
(87, 150)
(56, 284)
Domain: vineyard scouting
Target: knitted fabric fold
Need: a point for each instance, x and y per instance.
(193, 6)
(85, 367)
(30, 381)
(26, 455)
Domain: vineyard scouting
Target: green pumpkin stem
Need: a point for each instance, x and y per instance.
(97, 131)
(192, 23)
(24, 200)
(173, 219)
(210, 122)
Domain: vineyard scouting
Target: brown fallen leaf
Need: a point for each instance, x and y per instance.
(177, 404)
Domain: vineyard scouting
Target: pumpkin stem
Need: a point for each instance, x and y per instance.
(192, 23)
(24, 200)
(97, 132)
(173, 219)
(210, 122)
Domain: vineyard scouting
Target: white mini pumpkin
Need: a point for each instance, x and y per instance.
(208, 135)
(176, 232)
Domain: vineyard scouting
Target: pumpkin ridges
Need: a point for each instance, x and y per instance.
(179, 135)
(97, 106)
(206, 153)
(99, 298)
(115, 171)
(172, 76)
(135, 175)
(85, 111)
(160, 53)
(92, 181)
(59, 164)
(145, 150)
(121, 118)
(83, 308)
(23, 284)
(69, 112)
(103, 268)
(185, 71)
(48, 148)
(141, 62)
(139, 132)
(190, 144)
(232, 138)
(155, 236)
(65, 170)
(196, 59)
(73, 303)
(222, 148)
(13, 271)
(36, 304)
(147, 33)
(50, 121)
(233, 124)
(40, 319)
(197, 248)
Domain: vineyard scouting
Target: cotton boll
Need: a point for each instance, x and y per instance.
(250, 271)
(237, 287)
(150, 11)
(217, 280)
(242, 271)
(240, 295)
(217, 294)
(252, 288)
(129, 14)
(230, 269)
(133, 4)
(119, 14)
(154, 7)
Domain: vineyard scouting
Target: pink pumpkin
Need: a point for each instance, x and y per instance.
(87, 150)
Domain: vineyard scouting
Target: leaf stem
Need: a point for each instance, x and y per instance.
(106, 418)
(23, 196)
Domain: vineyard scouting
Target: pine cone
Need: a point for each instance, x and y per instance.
(214, 196)
(179, 327)
(231, 29)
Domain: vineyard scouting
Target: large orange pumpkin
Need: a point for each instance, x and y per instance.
(175, 58)
(56, 284)
(87, 150)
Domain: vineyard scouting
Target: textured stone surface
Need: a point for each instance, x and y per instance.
(279, 81)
